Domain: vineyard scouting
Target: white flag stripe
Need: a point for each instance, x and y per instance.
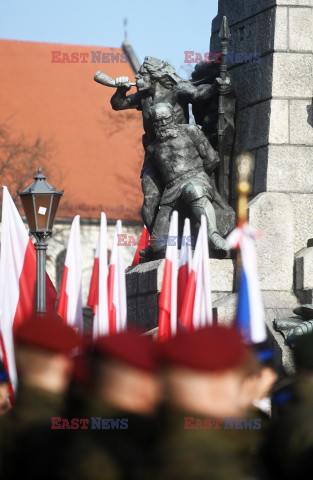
(185, 255)
(101, 319)
(121, 283)
(202, 310)
(14, 241)
(119, 292)
(95, 332)
(74, 278)
(171, 254)
(197, 268)
(114, 261)
(249, 261)
(206, 272)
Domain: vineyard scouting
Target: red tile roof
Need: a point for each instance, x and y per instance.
(98, 151)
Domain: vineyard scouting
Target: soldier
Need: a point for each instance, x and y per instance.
(157, 82)
(267, 377)
(5, 404)
(43, 359)
(288, 450)
(184, 158)
(205, 375)
(121, 407)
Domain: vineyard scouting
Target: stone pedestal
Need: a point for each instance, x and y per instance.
(144, 283)
(304, 275)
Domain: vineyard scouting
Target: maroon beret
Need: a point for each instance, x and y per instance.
(213, 348)
(130, 348)
(47, 332)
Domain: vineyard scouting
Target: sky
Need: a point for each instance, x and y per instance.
(163, 29)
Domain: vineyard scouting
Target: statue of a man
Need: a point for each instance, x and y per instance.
(157, 82)
(184, 158)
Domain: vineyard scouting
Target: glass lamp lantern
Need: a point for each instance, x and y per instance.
(40, 202)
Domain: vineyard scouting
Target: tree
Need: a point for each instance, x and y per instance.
(20, 158)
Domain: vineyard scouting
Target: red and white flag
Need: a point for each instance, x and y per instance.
(197, 306)
(98, 292)
(184, 268)
(117, 300)
(17, 280)
(70, 300)
(168, 297)
(143, 243)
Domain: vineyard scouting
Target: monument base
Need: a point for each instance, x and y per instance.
(144, 283)
(277, 304)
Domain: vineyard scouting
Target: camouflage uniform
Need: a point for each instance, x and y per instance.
(288, 451)
(215, 454)
(27, 443)
(111, 453)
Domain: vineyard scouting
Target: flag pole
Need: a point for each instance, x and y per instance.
(245, 164)
(250, 316)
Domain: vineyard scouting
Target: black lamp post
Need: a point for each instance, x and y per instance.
(40, 202)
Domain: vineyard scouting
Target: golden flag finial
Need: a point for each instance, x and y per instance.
(245, 164)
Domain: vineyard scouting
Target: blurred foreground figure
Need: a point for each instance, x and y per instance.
(4, 390)
(288, 452)
(210, 383)
(121, 411)
(28, 446)
(267, 377)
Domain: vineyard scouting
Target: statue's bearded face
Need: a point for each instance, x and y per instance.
(143, 79)
(163, 123)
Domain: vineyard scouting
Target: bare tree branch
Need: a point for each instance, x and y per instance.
(20, 158)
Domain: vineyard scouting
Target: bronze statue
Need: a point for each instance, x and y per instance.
(293, 328)
(157, 82)
(184, 159)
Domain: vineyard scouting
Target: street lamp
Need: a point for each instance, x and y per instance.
(40, 202)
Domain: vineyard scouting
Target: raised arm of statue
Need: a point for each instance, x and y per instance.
(121, 101)
(191, 93)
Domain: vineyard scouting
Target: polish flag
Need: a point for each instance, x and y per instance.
(143, 243)
(168, 297)
(117, 300)
(17, 280)
(197, 306)
(98, 292)
(184, 268)
(70, 300)
(250, 319)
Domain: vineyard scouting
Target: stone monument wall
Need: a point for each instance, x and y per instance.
(274, 121)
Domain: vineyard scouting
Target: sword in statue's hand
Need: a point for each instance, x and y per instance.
(224, 35)
(104, 79)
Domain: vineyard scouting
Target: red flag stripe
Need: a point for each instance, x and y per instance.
(143, 243)
(93, 298)
(182, 281)
(186, 316)
(164, 331)
(27, 288)
(63, 298)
